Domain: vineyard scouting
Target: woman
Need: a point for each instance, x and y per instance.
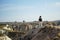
(40, 21)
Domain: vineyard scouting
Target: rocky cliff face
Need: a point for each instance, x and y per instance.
(46, 33)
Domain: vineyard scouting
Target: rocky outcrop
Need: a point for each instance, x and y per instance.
(46, 33)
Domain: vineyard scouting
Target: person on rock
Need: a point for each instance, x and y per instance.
(40, 21)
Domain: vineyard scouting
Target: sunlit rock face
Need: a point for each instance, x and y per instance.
(4, 37)
(2, 31)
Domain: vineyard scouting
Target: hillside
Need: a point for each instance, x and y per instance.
(46, 33)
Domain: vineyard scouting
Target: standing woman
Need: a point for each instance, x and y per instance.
(40, 21)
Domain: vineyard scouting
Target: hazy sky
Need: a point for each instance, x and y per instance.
(29, 10)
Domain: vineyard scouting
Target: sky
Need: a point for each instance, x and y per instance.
(29, 10)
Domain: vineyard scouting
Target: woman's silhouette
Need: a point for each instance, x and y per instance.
(40, 21)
